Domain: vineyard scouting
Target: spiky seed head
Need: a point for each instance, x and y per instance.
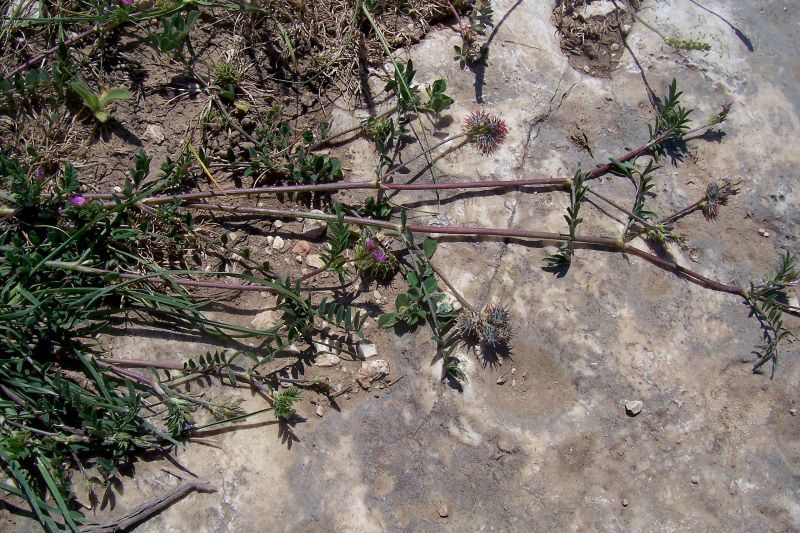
(487, 131)
(469, 326)
(717, 195)
(496, 325)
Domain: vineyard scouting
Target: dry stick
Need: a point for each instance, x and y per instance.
(602, 242)
(142, 512)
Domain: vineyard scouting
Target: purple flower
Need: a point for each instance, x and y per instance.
(126, 3)
(487, 131)
(379, 256)
(78, 200)
(370, 245)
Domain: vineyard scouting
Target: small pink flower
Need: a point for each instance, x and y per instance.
(78, 200)
(370, 245)
(379, 256)
(126, 3)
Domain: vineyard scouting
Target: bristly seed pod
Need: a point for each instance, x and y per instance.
(717, 195)
(487, 131)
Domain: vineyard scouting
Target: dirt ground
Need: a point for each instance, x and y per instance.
(542, 441)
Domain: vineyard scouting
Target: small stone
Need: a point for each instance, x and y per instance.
(513, 371)
(626, 29)
(301, 248)
(313, 228)
(444, 511)
(264, 320)
(793, 411)
(320, 411)
(502, 379)
(233, 237)
(278, 243)
(695, 480)
(586, 69)
(278, 224)
(326, 359)
(270, 240)
(376, 295)
(624, 502)
(347, 396)
(505, 445)
(154, 133)
(614, 47)
(366, 349)
(732, 488)
(633, 407)
(372, 371)
(315, 261)
(298, 258)
(117, 189)
(694, 255)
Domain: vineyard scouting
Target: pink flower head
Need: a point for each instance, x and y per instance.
(379, 256)
(485, 130)
(126, 3)
(370, 245)
(78, 200)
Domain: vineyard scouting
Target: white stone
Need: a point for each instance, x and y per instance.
(366, 349)
(315, 261)
(633, 407)
(278, 243)
(325, 359)
(313, 228)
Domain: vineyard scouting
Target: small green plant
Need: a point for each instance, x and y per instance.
(226, 78)
(98, 104)
(672, 121)
(175, 31)
(472, 51)
(680, 43)
(577, 191)
(283, 403)
(438, 101)
(373, 261)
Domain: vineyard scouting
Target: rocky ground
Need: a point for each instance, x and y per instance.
(544, 441)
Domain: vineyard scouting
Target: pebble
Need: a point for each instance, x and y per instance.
(502, 379)
(505, 445)
(793, 411)
(313, 228)
(633, 407)
(320, 411)
(444, 511)
(278, 224)
(624, 502)
(298, 258)
(278, 243)
(614, 47)
(586, 69)
(366, 349)
(233, 237)
(315, 261)
(372, 371)
(326, 359)
(626, 29)
(376, 295)
(301, 248)
(732, 488)
(695, 480)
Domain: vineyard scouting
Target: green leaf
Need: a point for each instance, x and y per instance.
(429, 246)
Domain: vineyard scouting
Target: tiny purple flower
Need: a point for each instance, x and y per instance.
(379, 256)
(78, 200)
(370, 245)
(126, 3)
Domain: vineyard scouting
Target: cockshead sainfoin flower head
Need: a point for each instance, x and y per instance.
(487, 131)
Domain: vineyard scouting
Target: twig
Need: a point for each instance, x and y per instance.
(142, 512)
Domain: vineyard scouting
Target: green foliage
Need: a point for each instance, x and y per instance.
(372, 209)
(765, 304)
(672, 120)
(438, 101)
(577, 191)
(226, 78)
(679, 43)
(339, 235)
(175, 31)
(403, 85)
(643, 179)
(342, 316)
(310, 168)
(284, 401)
(472, 51)
(452, 369)
(97, 104)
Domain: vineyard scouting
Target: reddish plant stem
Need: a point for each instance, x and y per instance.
(602, 242)
(322, 187)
